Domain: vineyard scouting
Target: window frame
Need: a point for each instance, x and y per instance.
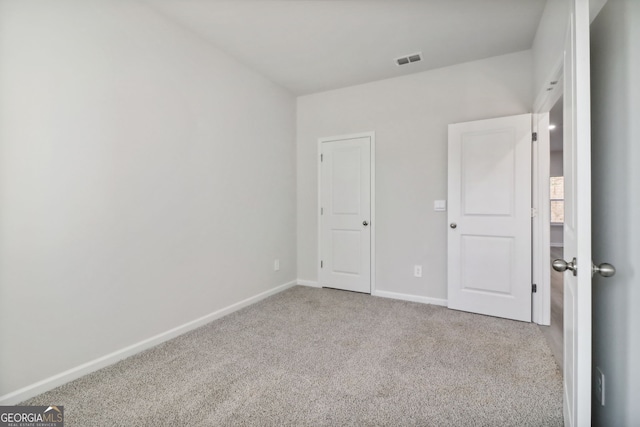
(551, 200)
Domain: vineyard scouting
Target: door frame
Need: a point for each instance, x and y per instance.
(372, 221)
(540, 232)
(545, 99)
(540, 267)
(578, 410)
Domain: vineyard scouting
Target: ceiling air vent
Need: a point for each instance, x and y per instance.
(408, 59)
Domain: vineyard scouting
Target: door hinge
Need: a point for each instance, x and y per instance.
(534, 288)
(321, 211)
(321, 157)
(534, 212)
(321, 264)
(534, 137)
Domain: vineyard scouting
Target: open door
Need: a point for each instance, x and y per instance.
(577, 225)
(489, 192)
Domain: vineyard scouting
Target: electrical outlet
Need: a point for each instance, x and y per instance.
(417, 270)
(598, 388)
(276, 265)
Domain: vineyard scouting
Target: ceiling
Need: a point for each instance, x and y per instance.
(313, 46)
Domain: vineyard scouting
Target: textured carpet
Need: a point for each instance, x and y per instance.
(321, 357)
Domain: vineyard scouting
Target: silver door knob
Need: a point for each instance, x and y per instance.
(605, 269)
(453, 225)
(365, 223)
(562, 265)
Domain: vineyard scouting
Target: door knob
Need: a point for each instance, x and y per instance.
(453, 225)
(365, 223)
(562, 265)
(605, 269)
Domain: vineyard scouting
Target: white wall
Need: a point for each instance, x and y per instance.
(409, 116)
(556, 236)
(146, 180)
(615, 59)
(548, 44)
(555, 163)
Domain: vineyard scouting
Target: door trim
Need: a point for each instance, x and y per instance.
(540, 232)
(541, 271)
(372, 140)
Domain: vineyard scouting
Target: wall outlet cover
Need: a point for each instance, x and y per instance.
(417, 270)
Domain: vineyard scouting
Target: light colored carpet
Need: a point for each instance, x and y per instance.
(321, 357)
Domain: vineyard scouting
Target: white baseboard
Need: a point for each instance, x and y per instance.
(412, 298)
(109, 359)
(310, 283)
(386, 294)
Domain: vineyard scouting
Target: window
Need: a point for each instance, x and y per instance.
(557, 199)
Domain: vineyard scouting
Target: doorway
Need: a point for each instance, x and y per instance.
(554, 332)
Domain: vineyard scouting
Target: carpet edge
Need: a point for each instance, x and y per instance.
(76, 372)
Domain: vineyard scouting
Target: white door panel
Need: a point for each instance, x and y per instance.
(487, 158)
(577, 226)
(489, 244)
(345, 234)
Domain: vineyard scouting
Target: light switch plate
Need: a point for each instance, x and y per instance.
(440, 205)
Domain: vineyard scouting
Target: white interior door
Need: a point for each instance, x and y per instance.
(345, 229)
(489, 244)
(577, 225)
